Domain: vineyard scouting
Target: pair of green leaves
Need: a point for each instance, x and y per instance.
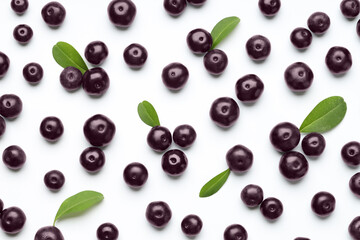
(325, 116)
(67, 56)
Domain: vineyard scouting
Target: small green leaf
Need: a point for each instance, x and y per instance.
(222, 29)
(148, 114)
(67, 56)
(214, 185)
(78, 203)
(325, 116)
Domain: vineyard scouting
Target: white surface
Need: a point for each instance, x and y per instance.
(164, 38)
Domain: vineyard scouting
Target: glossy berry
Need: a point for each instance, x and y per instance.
(175, 7)
(53, 14)
(2, 126)
(49, 233)
(175, 76)
(96, 52)
(215, 61)
(10, 106)
(96, 82)
(318, 22)
(357, 29)
(285, 136)
(1, 206)
(71, 78)
(199, 41)
(12, 220)
(23, 33)
(350, 8)
(338, 60)
(354, 228)
(54, 180)
(4, 64)
(121, 12)
(99, 130)
(107, 231)
(92, 159)
(51, 128)
(249, 88)
(158, 214)
(301, 38)
(323, 204)
(235, 232)
(135, 55)
(239, 159)
(354, 184)
(269, 7)
(293, 166)
(135, 175)
(301, 238)
(174, 162)
(19, 6)
(252, 195)
(313, 144)
(191, 225)
(33, 73)
(184, 135)
(258, 48)
(271, 208)
(196, 3)
(14, 157)
(298, 77)
(159, 138)
(224, 112)
(350, 153)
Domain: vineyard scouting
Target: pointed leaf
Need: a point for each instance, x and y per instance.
(67, 56)
(222, 29)
(148, 114)
(214, 185)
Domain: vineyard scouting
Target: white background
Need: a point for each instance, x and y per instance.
(164, 38)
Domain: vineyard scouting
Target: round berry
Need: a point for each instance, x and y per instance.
(301, 38)
(135, 175)
(159, 138)
(285, 136)
(175, 76)
(49, 233)
(158, 214)
(338, 60)
(196, 3)
(92, 159)
(4, 64)
(271, 208)
(53, 14)
(350, 8)
(135, 55)
(350, 153)
(323, 204)
(354, 228)
(215, 61)
(71, 78)
(14, 157)
(301, 238)
(269, 7)
(249, 88)
(224, 112)
(2, 126)
(318, 22)
(239, 159)
(54, 180)
(19, 6)
(96, 82)
(174, 162)
(298, 77)
(1, 206)
(10, 106)
(191, 225)
(313, 144)
(99, 130)
(354, 184)
(107, 231)
(12, 220)
(184, 135)
(23, 33)
(199, 41)
(51, 128)
(258, 48)
(33, 73)
(175, 7)
(357, 29)
(252, 195)
(293, 166)
(96, 52)
(121, 12)
(235, 232)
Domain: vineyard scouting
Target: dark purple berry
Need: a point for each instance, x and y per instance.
(199, 41)
(191, 225)
(301, 38)
(19, 6)
(298, 77)
(175, 76)
(215, 61)
(54, 180)
(293, 166)
(323, 204)
(10, 106)
(4, 64)
(354, 228)
(12, 220)
(318, 22)
(338, 60)
(196, 3)
(249, 88)
(53, 14)
(135, 175)
(175, 7)
(96, 82)
(269, 7)
(71, 78)
(14, 157)
(135, 55)
(258, 48)
(122, 12)
(1, 206)
(51, 128)
(159, 138)
(96, 52)
(350, 153)
(92, 159)
(224, 112)
(174, 162)
(33, 73)
(99, 130)
(271, 208)
(23, 33)
(354, 184)
(252, 195)
(239, 159)
(350, 8)
(235, 232)
(2, 126)
(285, 136)
(313, 144)
(301, 238)
(158, 214)
(184, 135)
(49, 233)
(107, 231)
(357, 29)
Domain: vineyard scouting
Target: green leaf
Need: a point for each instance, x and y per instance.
(148, 114)
(214, 185)
(222, 29)
(78, 203)
(67, 56)
(325, 116)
